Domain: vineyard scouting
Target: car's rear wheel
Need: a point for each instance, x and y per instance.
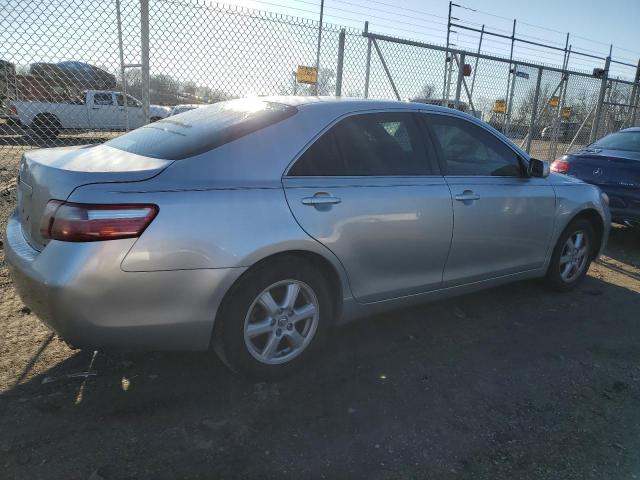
(274, 318)
(571, 256)
(46, 126)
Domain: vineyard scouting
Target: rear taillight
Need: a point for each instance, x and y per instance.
(13, 110)
(81, 222)
(560, 166)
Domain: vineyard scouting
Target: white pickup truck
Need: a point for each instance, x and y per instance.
(97, 110)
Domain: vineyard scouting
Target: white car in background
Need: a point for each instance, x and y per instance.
(95, 110)
(185, 108)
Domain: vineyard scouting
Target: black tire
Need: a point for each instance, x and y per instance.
(46, 126)
(229, 333)
(155, 119)
(554, 277)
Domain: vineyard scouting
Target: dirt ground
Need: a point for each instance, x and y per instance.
(514, 383)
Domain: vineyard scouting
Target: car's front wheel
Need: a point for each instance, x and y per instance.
(571, 256)
(274, 318)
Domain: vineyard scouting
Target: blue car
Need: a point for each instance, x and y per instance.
(613, 164)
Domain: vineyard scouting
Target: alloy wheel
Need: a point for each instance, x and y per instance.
(574, 256)
(281, 322)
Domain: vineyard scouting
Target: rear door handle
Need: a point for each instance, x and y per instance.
(321, 200)
(467, 196)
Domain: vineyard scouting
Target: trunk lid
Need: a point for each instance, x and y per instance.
(607, 168)
(54, 173)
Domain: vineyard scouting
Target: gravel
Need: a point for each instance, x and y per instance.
(514, 382)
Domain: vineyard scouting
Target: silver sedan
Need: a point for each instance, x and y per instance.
(252, 226)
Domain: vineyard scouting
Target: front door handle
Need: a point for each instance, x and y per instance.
(321, 200)
(467, 196)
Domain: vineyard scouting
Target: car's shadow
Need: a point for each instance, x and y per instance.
(624, 245)
(498, 382)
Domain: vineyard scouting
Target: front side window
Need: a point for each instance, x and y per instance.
(470, 150)
(372, 144)
(103, 99)
(131, 102)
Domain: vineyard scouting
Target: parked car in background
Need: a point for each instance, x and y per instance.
(566, 132)
(613, 164)
(94, 110)
(185, 108)
(253, 225)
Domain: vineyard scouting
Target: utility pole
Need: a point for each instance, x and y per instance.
(447, 57)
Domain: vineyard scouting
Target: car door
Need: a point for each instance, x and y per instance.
(503, 219)
(368, 188)
(105, 113)
(131, 115)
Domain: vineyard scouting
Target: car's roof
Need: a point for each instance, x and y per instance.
(631, 129)
(337, 106)
(348, 103)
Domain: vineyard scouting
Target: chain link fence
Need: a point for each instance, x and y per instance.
(546, 110)
(73, 72)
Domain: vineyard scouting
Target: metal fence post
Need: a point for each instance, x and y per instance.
(144, 44)
(513, 39)
(123, 79)
(635, 98)
(368, 68)
(319, 46)
(507, 122)
(340, 66)
(460, 79)
(534, 110)
(603, 89)
(563, 96)
(446, 96)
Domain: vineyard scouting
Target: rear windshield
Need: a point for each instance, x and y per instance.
(202, 129)
(629, 141)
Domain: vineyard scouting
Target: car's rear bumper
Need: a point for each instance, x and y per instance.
(80, 291)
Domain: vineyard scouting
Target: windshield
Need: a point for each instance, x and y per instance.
(628, 141)
(202, 129)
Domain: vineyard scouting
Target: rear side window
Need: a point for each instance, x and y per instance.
(372, 144)
(202, 129)
(470, 150)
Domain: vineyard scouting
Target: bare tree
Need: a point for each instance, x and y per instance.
(427, 91)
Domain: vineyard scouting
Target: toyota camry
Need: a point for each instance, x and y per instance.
(252, 226)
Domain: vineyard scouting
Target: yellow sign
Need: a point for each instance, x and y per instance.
(566, 112)
(307, 74)
(554, 101)
(500, 106)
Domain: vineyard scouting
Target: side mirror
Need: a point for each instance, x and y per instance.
(538, 168)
